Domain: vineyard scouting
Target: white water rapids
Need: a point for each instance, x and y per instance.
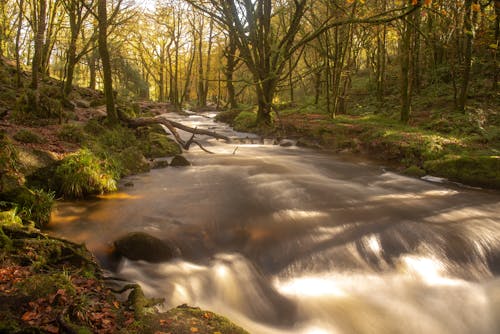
(290, 240)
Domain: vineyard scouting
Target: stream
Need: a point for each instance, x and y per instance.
(292, 240)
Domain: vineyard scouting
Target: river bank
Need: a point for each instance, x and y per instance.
(450, 145)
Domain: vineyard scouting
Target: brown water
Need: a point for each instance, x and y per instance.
(289, 240)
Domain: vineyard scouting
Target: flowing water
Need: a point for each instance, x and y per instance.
(290, 240)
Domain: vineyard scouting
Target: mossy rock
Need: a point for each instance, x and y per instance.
(71, 133)
(132, 161)
(483, 171)
(32, 205)
(32, 160)
(142, 246)
(414, 171)
(160, 145)
(179, 161)
(187, 320)
(27, 136)
(245, 121)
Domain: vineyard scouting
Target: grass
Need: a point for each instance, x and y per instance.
(83, 173)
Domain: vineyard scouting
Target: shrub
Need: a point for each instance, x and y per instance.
(27, 136)
(82, 173)
(71, 133)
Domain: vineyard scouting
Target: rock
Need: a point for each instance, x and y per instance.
(179, 161)
(286, 143)
(156, 164)
(82, 104)
(142, 246)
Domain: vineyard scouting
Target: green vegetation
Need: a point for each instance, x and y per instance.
(27, 136)
(83, 173)
(71, 133)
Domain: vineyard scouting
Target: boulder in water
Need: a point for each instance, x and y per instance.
(142, 246)
(286, 143)
(179, 161)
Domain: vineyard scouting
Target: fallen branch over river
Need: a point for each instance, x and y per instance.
(172, 126)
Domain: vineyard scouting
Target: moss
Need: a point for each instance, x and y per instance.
(160, 145)
(245, 121)
(479, 171)
(27, 136)
(83, 173)
(71, 133)
(34, 205)
(131, 161)
(414, 171)
(43, 285)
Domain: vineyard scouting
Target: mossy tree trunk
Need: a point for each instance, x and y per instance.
(102, 15)
(38, 52)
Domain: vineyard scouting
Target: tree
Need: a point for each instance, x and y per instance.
(265, 49)
(102, 18)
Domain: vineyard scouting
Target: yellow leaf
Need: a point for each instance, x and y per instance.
(476, 7)
(194, 330)
(217, 333)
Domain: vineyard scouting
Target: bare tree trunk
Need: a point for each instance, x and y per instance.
(37, 57)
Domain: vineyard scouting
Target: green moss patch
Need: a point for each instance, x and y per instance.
(27, 136)
(481, 171)
(187, 320)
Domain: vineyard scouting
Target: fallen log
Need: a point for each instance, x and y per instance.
(172, 126)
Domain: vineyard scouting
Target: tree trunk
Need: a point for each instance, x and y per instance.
(18, 42)
(496, 69)
(229, 71)
(106, 63)
(469, 36)
(39, 39)
(406, 47)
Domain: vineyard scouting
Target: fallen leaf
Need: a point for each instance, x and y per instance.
(194, 330)
(116, 304)
(29, 316)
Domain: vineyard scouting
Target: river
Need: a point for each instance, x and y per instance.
(291, 240)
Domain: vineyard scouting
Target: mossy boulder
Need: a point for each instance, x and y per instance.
(27, 136)
(33, 205)
(414, 171)
(481, 171)
(160, 145)
(142, 246)
(179, 161)
(132, 161)
(185, 319)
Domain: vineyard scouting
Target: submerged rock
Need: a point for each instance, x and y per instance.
(142, 246)
(179, 161)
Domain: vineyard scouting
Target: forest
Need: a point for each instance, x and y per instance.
(95, 92)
